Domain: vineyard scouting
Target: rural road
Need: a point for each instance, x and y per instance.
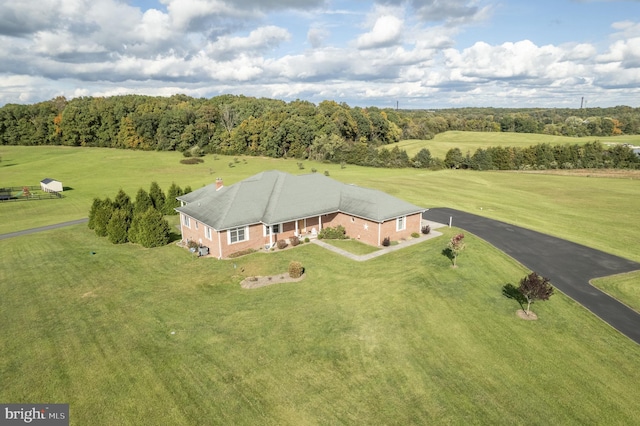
(42, 228)
(569, 266)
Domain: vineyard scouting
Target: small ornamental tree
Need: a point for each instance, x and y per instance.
(535, 287)
(455, 246)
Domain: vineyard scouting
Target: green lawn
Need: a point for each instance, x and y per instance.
(624, 287)
(352, 246)
(471, 141)
(401, 339)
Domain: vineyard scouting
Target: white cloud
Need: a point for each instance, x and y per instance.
(387, 31)
(360, 53)
(317, 35)
(257, 42)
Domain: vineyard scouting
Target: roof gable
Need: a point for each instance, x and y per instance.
(276, 197)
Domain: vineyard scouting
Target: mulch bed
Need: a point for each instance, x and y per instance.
(523, 315)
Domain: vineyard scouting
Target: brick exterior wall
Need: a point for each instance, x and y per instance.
(367, 231)
(372, 232)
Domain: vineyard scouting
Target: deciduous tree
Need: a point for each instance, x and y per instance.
(535, 287)
(456, 246)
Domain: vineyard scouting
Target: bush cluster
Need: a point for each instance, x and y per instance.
(415, 235)
(426, 229)
(386, 242)
(329, 233)
(141, 222)
(294, 241)
(191, 160)
(295, 269)
(281, 244)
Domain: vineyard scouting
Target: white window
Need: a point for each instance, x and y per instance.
(207, 232)
(277, 228)
(185, 220)
(237, 235)
(401, 223)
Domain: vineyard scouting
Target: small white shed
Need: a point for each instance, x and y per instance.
(50, 185)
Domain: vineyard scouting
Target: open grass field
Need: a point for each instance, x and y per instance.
(471, 141)
(400, 339)
(134, 336)
(599, 213)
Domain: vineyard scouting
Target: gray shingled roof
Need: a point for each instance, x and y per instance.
(276, 197)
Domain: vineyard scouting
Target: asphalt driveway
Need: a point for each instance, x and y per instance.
(42, 228)
(568, 265)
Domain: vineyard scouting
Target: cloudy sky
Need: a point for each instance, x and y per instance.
(420, 53)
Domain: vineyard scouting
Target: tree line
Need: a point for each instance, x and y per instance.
(592, 155)
(236, 125)
(142, 221)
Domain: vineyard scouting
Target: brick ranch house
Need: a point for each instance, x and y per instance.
(273, 205)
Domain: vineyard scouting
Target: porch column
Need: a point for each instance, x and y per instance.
(319, 223)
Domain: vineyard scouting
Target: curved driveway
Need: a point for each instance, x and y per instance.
(568, 265)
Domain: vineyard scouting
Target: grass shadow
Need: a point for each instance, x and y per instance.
(67, 188)
(174, 236)
(511, 292)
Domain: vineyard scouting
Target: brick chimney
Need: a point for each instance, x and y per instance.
(218, 184)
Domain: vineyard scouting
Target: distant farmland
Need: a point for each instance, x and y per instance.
(471, 141)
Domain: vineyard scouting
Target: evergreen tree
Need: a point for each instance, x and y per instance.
(143, 202)
(102, 216)
(150, 229)
(123, 202)
(97, 202)
(118, 226)
(157, 196)
(171, 203)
